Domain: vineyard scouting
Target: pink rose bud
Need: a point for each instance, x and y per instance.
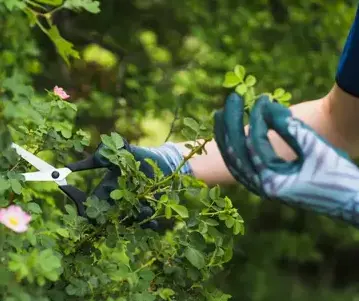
(60, 92)
(15, 218)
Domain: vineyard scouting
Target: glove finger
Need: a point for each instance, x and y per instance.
(230, 134)
(231, 141)
(268, 115)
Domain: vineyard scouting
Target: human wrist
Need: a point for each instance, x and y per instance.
(341, 110)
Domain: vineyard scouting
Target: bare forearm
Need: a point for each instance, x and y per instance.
(209, 167)
(334, 117)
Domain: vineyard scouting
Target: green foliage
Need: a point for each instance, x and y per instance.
(245, 86)
(158, 60)
(64, 257)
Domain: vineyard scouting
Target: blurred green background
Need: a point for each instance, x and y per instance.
(144, 62)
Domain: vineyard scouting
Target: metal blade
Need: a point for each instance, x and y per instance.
(55, 175)
(32, 159)
(38, 176)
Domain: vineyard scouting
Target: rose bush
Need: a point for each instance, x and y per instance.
(62, 256)
(49, 253)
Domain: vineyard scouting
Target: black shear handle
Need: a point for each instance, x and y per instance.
(77, 196)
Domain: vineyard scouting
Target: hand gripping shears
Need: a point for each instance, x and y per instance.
(47, 172)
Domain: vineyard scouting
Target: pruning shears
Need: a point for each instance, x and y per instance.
(49, 173)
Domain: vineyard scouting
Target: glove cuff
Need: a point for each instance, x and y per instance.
(174, 157)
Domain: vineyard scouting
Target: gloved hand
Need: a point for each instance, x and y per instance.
(167, 157)
(322, 178)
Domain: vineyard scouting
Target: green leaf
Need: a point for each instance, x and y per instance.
(168, 212)
(118, 140)
(195, 257)
(250, 81)
(220, 202)
(229, 222)
(166, 293)
(108, 141)
(240, 72)
(15, 186)
(91, 6)
(51, 2)
(4, 184)
(286, 97)
(77, 287)
(189, 134)
(117, 194)
(181, 210)
(64, 47)
(211, 222)
(96, 207)
(11, 4)
(191, 123)
(241, 89)
(63, 232)
(238, 228)
(214, 193)
(34, 208)
(278, 93)
(231, 80)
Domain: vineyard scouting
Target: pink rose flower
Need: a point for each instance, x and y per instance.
(15, 218)
(60, 92)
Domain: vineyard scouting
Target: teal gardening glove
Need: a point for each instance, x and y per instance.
(322, 179)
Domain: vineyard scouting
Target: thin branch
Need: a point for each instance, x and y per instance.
(175, 118)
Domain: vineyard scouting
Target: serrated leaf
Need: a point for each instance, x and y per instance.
(15, 186)
(181, 210)
(189, 134)
(34, 208)
(191, 123)
(63, 232)
(238, 228)
(117, 194)
(286, 97)
(229, 222)
(195, 257)
(241, 89)
(240, 72)
(166, 293)
(211, 222)
(51, 2)
(214, 193)
(168, 212)
(64, 47)
(250, 81)
(278, 93)
(231, 80)
(11, 4)
(118, 140)
(4, 184)
(89, 5)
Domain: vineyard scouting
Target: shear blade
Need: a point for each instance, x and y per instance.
(32, 159)
(55, 175)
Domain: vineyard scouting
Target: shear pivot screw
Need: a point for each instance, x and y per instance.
(55, 174)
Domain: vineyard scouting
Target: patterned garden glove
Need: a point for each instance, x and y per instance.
(167, 157)
(322, 179)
